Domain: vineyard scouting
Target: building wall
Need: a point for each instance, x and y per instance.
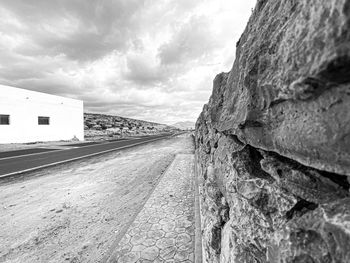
(24, 107)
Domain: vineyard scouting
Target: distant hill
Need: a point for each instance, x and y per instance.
(184, 125)
(102, 125)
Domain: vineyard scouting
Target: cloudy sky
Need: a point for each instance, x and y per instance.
(148, 59)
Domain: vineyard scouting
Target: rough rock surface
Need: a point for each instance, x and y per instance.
(273, 143)
(102, 126)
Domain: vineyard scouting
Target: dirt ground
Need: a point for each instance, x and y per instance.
(76, 212)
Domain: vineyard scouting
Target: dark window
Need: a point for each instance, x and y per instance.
(4, 119)
(43, 120)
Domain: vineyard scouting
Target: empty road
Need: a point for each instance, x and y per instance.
(22, 163)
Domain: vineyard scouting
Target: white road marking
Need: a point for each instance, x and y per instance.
(59, 150)
(76, 158)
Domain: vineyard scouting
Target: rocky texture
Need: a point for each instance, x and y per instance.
(273, 143)
(184, 125)
(99, 126)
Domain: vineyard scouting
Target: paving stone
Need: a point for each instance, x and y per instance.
(164, 229)
(171, 234)
(156, 227)
(156, 234)
(166, 221)
(130, 257)
(172, 204)
(125, 240)
(183, 238)
(149, 242)
(180, 230)
(149, 261)
(134, 224)
(150, 253)
(183, 223)
(137, 239)
(168, 253)
(168, 227)
(178, 212)
(170, 209)
(125, 248)
(145, 227)
(181, 255)
(122, 250)
(165, 242)
(153, 220)
(190, 230)
(187, 247)
(134, 231)
(138, 248)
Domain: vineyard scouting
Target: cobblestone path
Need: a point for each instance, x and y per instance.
(164, 229)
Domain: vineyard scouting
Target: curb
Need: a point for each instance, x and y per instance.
(198, 257)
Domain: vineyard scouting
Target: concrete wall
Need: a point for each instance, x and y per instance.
(24, 107)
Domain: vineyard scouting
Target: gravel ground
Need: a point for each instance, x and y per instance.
(74, 212)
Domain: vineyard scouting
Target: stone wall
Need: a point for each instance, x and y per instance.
(273, 142)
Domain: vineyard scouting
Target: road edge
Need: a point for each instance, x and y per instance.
(78, 158)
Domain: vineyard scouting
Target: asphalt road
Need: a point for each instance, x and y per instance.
(24, 152)
(19, 164)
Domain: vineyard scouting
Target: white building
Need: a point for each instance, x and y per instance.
(29, 116)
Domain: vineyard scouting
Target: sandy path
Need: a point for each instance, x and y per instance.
(74, 212)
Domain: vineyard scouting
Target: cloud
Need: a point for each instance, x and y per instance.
(79, 29)
(190, 41)
(148, 59)
(142, 70)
